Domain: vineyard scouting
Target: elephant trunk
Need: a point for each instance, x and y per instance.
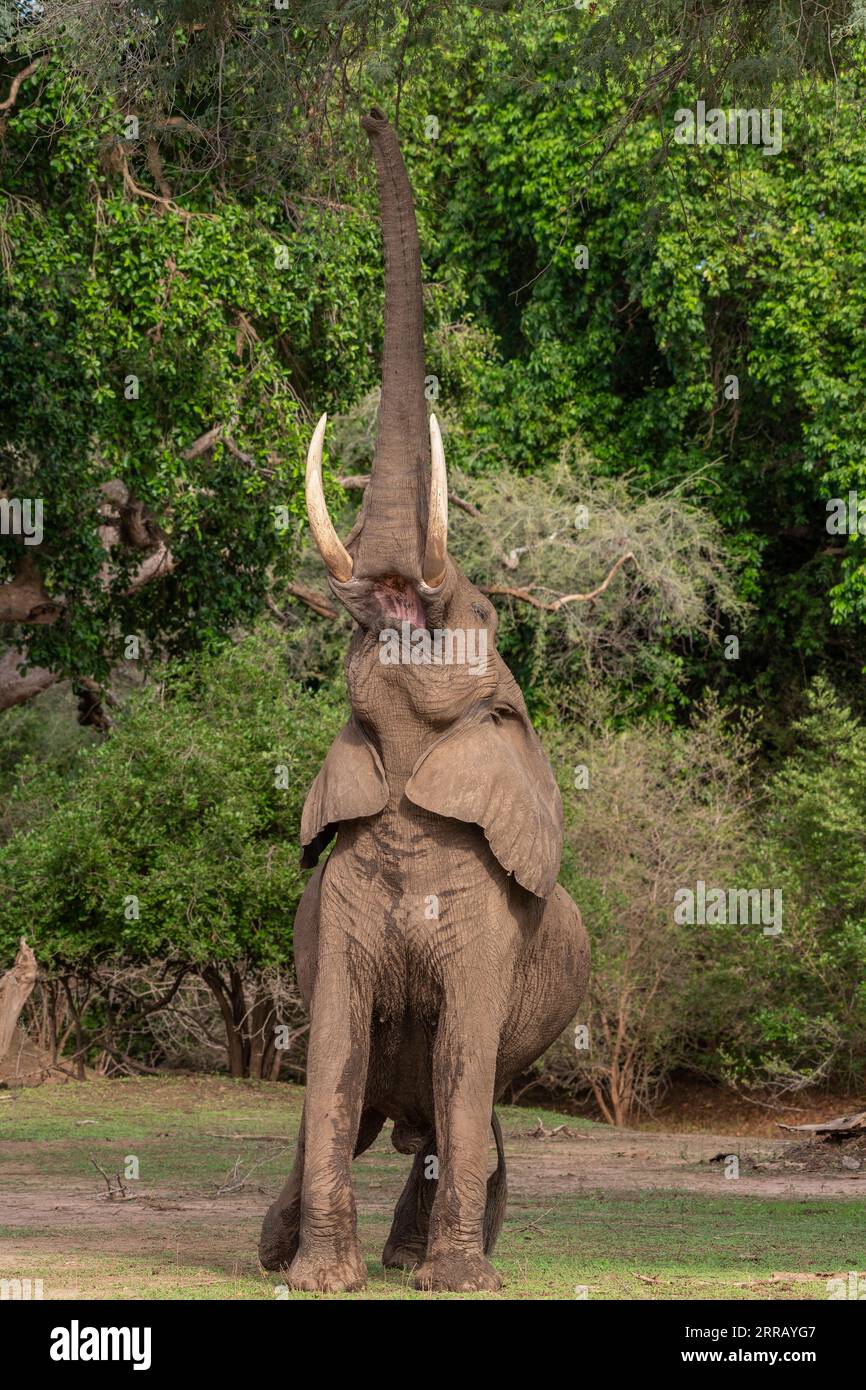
(393, 534)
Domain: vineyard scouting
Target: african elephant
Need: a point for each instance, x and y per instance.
(435, 951)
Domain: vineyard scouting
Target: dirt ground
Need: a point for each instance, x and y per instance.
(623, 1213)
(640, 1160)
(599, 1159)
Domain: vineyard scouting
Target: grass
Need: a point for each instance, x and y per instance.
(182, 1239)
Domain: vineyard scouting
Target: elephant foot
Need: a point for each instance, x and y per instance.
(403, 1256)
(278, 1242)
(328, 1273)
(457, 1272)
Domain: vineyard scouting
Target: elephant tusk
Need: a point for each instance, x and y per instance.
(331, 548)
(436, 551)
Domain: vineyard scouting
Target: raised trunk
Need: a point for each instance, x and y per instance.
(395, 503)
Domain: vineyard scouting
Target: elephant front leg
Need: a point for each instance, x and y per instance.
(464, 1073)
(329, 1256)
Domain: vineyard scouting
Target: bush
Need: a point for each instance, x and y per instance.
(663, 807)
(177, 838)
(803, 1019)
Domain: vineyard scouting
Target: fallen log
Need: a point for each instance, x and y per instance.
(841, 1127)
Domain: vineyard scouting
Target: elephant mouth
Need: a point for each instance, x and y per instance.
(399, 602)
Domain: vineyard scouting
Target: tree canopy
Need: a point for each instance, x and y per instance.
(647, 355)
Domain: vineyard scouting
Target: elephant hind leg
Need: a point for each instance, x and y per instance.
(281, 1229)
(406, 1245)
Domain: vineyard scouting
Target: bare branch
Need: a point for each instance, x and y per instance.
(203, 443)
(310, 597)
(22, 77)
(163, 202)
(156, 566)
(15, 688)
(554, 606)
(506, 592)
(594, 593)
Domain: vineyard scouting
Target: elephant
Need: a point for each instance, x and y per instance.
(435, 951)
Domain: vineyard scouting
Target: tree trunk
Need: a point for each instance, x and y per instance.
(239, 1014)
(80, 1044)
(261, 1035)
(15, 989)
(227, 1000)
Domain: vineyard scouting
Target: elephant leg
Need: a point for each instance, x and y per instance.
(406, 1245)
(464, 1072)
(329, 1256)
(278, 1243)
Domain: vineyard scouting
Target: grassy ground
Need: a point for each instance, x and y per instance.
(211, 1153)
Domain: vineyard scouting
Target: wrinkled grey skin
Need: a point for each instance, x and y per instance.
(435, 951)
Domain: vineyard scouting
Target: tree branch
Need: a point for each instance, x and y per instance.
(311, 597)
(129, 525)
(16, 689)
(156, 566)
(25, 599)
(163, 202)
(554, 606)
(203, 443)
(19, 78)
(505, 591)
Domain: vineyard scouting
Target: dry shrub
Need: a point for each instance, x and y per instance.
(663, 808)
(117, 1020)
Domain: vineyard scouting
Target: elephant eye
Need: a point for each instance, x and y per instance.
(480, 611)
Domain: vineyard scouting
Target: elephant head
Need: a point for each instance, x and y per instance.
(451, 736)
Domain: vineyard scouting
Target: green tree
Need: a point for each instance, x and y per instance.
(154, 366)
(799, 1013)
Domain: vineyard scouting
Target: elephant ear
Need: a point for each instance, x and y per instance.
(351, 783)
(494, 773)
